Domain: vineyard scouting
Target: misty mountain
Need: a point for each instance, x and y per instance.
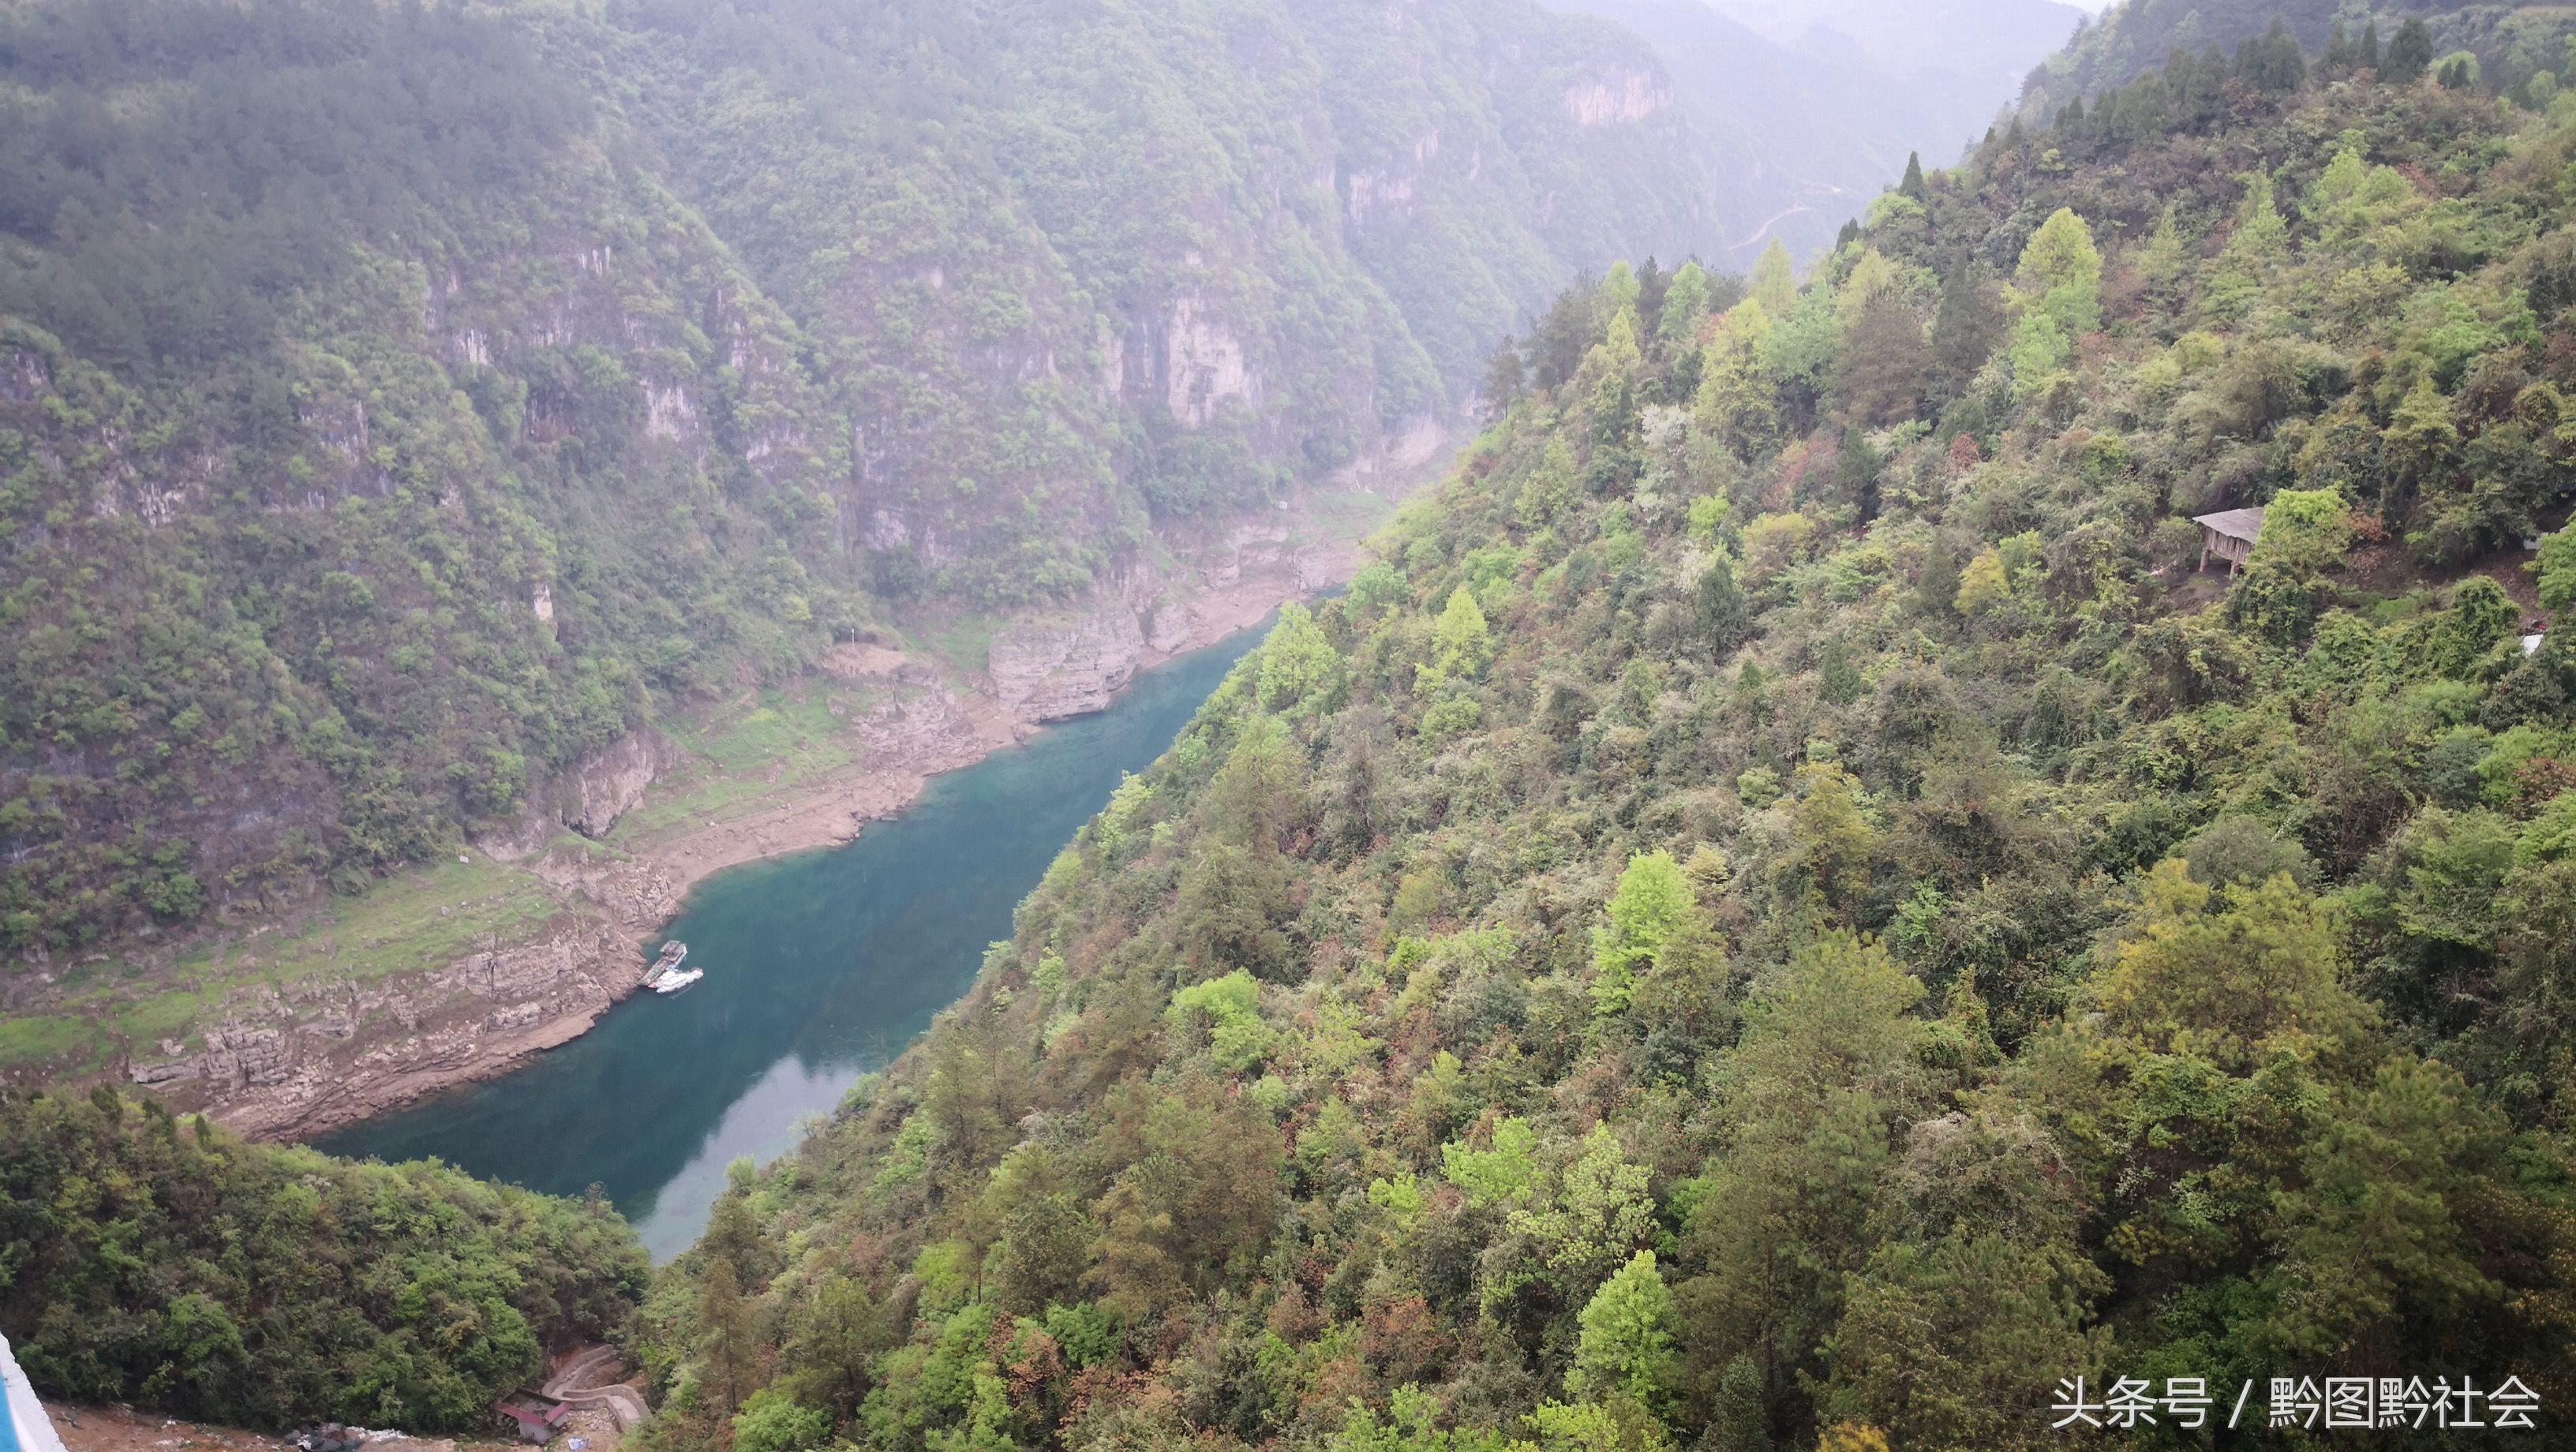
(397, 403)
(1807, 108)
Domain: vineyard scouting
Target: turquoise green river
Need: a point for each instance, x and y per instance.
(820, 968)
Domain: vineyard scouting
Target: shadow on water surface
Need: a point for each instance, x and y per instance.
(820, 968)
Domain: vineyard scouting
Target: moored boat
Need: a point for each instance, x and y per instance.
(666, 965)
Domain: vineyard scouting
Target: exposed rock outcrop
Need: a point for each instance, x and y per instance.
(851, 661)
(608, 784)
(237, 1055)
(588, 799)
(284, 1066)
(1398, 458)
(1204, 366)
(1051, 672)
(1627, 97)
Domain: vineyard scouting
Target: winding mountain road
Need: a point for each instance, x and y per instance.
(623, 1402)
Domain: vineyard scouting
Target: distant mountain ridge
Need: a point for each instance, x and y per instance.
(2512, 41)
(1808, 110)
(1980, 39)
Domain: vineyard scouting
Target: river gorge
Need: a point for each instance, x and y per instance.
(820, 967)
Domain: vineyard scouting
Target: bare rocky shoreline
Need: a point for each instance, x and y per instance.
(295, 1066)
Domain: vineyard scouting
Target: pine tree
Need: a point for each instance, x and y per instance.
(1297, 662)
(1738, 1423)
(1856, 475)
(2163, 261)
(1938, 590)
(2179, 79)
(1685, 309)
(2059, 295)
(1558, 343)
(2558, 570)
(2208, 96)
(1626, 1342)
(838, 1340)
(1883, 372)
(724, 1331)
(1723, 617)
(1506, 380)
(2143, 110)
(2287, 67)
(2061, 273)
(1619, 288)
(1652, 904)
(1652, 283)
(1551, 489)
(1460, 639)
(1913, 185)
(1775, 280)
(1737, 400)
(2273, 63)
(734, 1234)
(2257, 244)
(2409, 54)
(2370, 46)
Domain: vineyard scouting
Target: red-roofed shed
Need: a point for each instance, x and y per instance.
(535, 1417)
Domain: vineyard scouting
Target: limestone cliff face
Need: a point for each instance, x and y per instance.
(1189, 590)
(1629, 97)
(1204, 368)
(589, 798)
(605, 786)
(1050, 672)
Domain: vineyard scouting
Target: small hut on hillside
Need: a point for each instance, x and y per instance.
(2229, 534)
(534, 1416)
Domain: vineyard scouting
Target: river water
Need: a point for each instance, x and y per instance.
(820, 968)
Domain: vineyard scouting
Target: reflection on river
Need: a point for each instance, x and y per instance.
(820, 968)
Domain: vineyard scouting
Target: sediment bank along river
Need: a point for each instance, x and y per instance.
(820, 967)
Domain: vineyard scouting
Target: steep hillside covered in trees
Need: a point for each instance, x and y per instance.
(2510, 43)
(165, 1263)
(1783, 911)
(398, 402)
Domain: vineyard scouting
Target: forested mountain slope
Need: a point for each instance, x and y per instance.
(1784, 910)
(2511, 42)
(165, 1263)
(397, 403)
